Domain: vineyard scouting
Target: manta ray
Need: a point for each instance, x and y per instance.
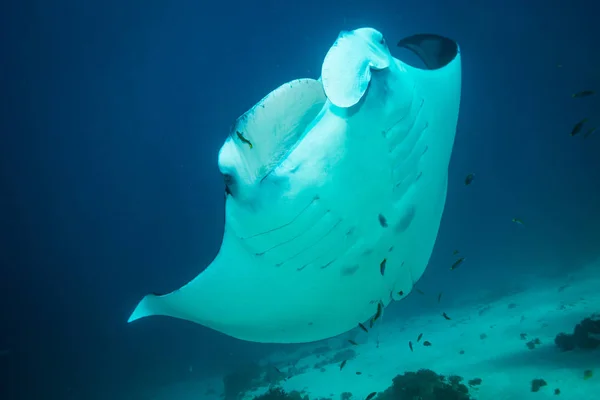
(335, 190)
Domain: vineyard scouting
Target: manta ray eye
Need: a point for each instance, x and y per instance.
(229, 181)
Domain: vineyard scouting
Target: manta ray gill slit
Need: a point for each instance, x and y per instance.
(313, 201)
(286, 241)
(314, 243)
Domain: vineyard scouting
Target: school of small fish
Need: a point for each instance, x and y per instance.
(579, 126)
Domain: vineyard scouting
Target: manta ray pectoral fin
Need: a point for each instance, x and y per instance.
(434, 50)
(346, 70)
(151, 304)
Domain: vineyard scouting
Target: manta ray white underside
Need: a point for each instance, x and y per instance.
(335, 192)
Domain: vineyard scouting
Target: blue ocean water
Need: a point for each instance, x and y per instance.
(112, 117)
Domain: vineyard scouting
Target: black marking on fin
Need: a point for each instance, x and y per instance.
(434, 50)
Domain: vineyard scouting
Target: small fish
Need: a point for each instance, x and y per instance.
(343, 364)
(243, 139)
(410, 346)
(371, 395)
(358, 373)
(583, 93)
(383, 221)
(455, 252)
(578, 126)
(364, 328)
(420, 291)
(446, 316)
(379, 311)
(419, 337)
(382, 266)
(352, 342)
(589, 132)
(427, 343)
(439, 297)
(457, 263)
(587, 374)
(469, 179)
(517, 221)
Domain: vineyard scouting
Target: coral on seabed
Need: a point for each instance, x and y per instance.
(586, 335)
(346, 396)
(240, 381)
(277, 393)
(250, 377)
(425, 385)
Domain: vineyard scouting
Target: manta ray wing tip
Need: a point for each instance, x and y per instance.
(143, 309)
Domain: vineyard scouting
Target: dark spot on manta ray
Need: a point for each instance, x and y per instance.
(349, 271)
(382, 221)
(406, 219)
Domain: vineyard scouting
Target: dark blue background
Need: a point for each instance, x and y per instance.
(112, 115)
